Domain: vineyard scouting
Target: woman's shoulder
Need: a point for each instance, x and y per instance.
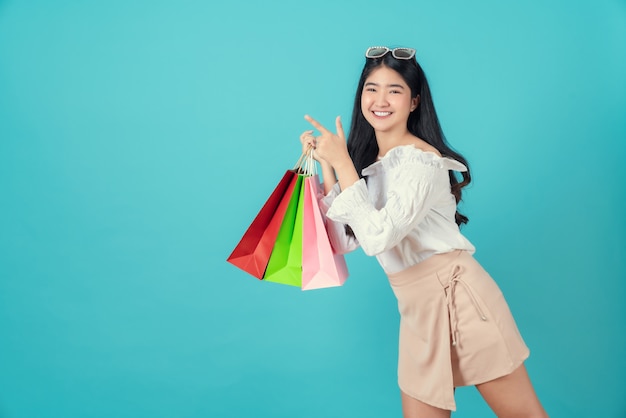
(403, 155)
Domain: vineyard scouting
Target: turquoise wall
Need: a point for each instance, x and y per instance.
(139, 138)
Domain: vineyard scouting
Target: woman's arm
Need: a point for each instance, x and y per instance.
(414, 184)
(328, 175)
(341, 241)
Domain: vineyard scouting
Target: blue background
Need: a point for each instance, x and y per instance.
(138, 139)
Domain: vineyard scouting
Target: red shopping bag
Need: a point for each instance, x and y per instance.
(253, 251)
(321, 266)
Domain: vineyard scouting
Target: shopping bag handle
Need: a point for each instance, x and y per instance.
(306, 163)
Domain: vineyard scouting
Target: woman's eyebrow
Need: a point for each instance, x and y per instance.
(371, 83)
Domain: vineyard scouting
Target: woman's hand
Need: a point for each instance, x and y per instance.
(308, 141)
(331, 151)
(329, 146)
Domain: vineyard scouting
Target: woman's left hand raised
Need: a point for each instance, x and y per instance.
(329, 146)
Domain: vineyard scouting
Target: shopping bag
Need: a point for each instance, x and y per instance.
(253, 251)
(285, 264)
(287, 242)
(321, 266)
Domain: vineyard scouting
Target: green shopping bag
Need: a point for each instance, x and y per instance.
(285, 264)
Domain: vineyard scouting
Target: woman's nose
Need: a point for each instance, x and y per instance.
(381, 99)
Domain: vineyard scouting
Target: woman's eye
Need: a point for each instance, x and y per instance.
(395, 92)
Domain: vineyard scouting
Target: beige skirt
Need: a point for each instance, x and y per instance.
(456, 329)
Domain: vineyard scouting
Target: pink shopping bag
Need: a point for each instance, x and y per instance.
(321, 266)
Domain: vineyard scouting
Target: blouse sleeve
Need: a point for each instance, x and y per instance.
(341, 242)
(415, 182)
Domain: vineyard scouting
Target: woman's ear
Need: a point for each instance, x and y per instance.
(415, 102)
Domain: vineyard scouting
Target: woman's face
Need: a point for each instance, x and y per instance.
(386, 101)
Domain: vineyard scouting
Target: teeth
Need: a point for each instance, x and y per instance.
(382, 113)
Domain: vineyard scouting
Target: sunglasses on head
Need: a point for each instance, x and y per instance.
(397, 53)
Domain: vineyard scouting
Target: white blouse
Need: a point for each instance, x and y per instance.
(403, 214)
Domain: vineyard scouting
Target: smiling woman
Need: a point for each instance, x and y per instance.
(386, 104)
(138, 139)
(392, 190)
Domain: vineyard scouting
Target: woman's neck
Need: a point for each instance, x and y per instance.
(389, 140)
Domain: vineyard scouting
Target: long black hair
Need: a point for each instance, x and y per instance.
(423, 123)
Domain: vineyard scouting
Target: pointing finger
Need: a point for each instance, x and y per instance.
(339, 127)
(316, 124)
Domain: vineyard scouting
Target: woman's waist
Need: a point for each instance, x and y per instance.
(412, 251)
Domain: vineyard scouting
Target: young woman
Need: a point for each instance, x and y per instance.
(393, 190)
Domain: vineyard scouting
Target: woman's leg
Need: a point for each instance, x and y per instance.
(412, 408)
(512, 396)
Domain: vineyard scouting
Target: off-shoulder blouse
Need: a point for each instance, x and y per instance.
(403, 214)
